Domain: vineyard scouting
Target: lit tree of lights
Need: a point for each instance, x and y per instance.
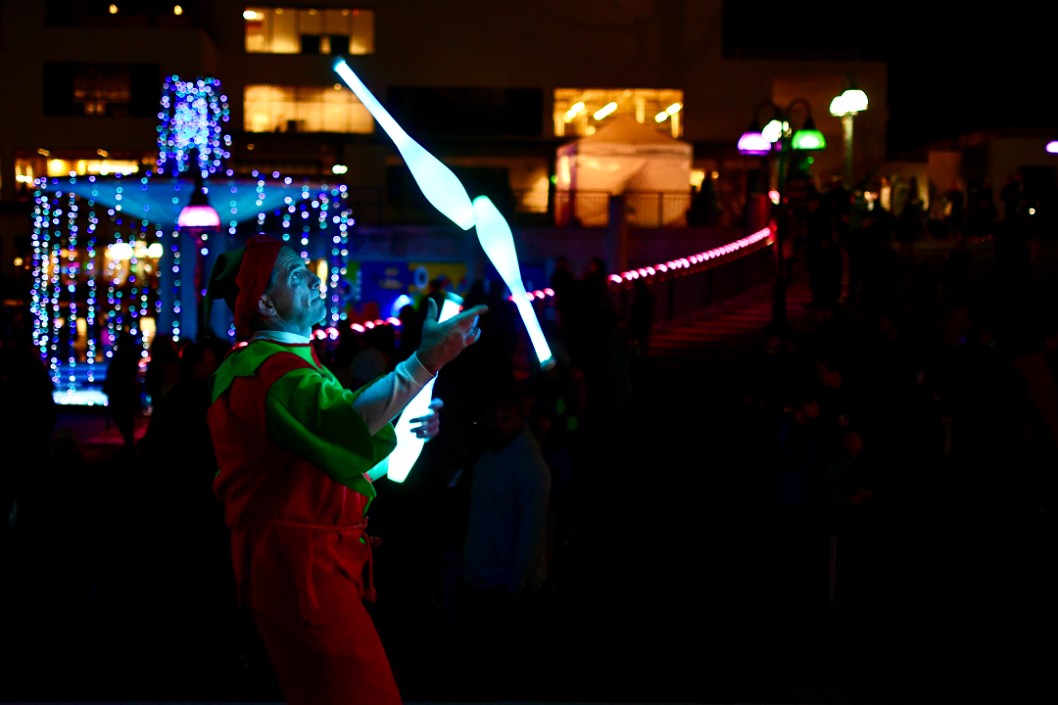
(109, 254)
(192, 117)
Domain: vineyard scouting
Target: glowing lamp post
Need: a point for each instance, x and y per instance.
(197, 221)
(777, 137)
(198, 214)
(846, 106)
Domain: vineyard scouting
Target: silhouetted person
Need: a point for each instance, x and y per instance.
(410, 330)
(123, 387)
(159, 377)
(640, 326)
(562, 281)
(163, 368)
(504, 557)
(822, 253)
(909, 227)
(28, 416)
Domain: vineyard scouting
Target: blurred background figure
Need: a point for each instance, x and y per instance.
(504, 557)
(124, 387)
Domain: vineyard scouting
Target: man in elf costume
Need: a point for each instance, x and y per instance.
(297, 456)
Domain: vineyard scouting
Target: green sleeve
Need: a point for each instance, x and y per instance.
(311, 413)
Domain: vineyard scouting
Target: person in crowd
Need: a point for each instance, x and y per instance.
(504, 560)
(562, 281)
(409, 331)
(844, 490)
(374, 356)
(640, 326)
(162, 371)
(360, 356)
(192, 521)
(159, 378)
(297, 456)
(28, 419)
(124, 388)
(909, 227)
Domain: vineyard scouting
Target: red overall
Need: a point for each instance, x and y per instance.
(299, 553)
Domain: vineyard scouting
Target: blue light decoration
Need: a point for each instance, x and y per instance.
(192, 118)
(110, 254)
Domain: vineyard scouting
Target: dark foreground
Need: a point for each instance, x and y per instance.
(682, 583)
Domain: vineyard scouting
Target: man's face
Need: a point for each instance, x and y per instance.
(295, 296)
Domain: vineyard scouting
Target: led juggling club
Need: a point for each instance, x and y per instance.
(409, 445)
(496, 239)
(436, 181)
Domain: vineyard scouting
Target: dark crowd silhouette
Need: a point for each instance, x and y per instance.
(904, 426)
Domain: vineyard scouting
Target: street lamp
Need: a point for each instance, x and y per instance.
(196, 222)
(845, 106)
(777, 137)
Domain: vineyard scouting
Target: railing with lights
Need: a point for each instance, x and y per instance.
(620, 282)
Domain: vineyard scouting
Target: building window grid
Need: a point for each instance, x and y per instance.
(291, 30)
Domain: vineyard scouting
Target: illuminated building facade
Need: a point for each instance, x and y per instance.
(493, 89)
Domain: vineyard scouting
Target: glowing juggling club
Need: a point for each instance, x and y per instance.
(496, 239)
(436, 181)
(400, 462)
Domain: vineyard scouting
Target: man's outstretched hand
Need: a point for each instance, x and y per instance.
(442, 341)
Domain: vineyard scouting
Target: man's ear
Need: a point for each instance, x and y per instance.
(265, 307)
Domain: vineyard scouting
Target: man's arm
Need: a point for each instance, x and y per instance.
(382, 401)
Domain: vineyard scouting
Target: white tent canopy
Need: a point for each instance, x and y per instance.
(626, 157)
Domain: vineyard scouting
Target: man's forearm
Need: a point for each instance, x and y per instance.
(382, 400)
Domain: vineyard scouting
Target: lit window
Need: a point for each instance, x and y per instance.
(290, 30)
(101, 89)
(580, 111)
(81, 167)
(304, 109)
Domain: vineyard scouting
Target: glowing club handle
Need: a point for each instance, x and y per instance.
(436, 181)
(409, 446)
(496, 239)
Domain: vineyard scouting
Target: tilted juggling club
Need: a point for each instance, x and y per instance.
(436, 181)
(496, 239)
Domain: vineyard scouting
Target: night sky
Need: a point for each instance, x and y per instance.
(953, 67)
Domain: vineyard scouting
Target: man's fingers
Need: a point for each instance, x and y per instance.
(431, 309)
(473, 312)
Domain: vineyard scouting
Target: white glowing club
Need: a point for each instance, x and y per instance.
(444, 190)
